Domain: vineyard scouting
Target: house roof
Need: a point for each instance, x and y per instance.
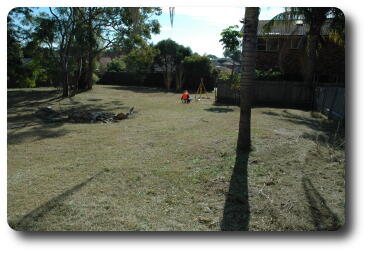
(223, 68)
(105, 60)
(291, 28)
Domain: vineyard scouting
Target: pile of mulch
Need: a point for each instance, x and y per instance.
(80, 116)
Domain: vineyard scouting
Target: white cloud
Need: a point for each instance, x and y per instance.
(165, 28)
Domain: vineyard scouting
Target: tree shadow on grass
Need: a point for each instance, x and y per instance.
(334, 131)
(39, 128)
(31, 98)
(219, 110)
(28, 222)
(137, 89)
(236, 210)
(319, 124)
(38, 132)
(323, 217)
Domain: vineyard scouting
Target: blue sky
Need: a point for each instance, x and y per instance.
(200, 27)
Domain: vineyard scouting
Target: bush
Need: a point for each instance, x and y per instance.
(197, 67)
(140, 60)
(269, 75)
(116, 65)
(232, 79)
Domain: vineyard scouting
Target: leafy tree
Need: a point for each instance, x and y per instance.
(315, 18)
(141, 60)
(15, 35)
(76, 36)
(212, 57)
(170, 60)
(117, 65)
(231, 39)
(234, 56)
(198, 67)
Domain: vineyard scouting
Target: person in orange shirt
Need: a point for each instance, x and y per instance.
(185, 98)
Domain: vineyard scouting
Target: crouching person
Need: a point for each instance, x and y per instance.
(185, 98)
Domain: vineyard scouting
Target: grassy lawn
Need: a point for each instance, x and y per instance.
(172, 166)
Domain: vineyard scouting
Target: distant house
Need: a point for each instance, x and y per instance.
(105, 60)
(283, 49)
(226, 65)
(108, 57)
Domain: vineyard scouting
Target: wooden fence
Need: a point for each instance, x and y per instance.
(269, 93)
(328, 100)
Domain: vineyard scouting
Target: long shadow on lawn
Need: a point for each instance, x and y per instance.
(219, 110)
(30, 98)
(236, 209)
(323, 217)
(137, 89)
(49, 128)
(28, 221)
(334, 131)
(38, 132)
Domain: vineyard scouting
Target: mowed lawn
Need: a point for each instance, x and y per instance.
(172, 166)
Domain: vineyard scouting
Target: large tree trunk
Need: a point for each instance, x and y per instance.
(179, 77)
(168, 79)
(247, 76)
(90, 51)
(312, 48)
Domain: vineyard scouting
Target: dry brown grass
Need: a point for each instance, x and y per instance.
(169, 167)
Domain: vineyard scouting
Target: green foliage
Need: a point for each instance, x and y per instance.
(231, 38)
(198, 65)
(269, 75)
(140, 60)
(65, 43)
(171, 54)
(233, 79)
(170, 59)
(95, 78)
(117, 65)
(233, 55)
(212, 57)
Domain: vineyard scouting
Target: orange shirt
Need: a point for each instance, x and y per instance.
(185, 96)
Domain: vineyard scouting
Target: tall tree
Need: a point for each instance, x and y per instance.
(79, 35)
(170, 60)
(231, 40)
(15, 37)
(315, 18)
(247, 76)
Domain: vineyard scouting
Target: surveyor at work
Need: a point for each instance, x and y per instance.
(185, 98)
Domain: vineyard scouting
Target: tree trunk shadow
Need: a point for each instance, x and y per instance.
(322, 215)
(236, 209)
(28, 221)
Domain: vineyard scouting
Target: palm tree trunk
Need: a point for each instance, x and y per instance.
(312, 48)
(247, 76)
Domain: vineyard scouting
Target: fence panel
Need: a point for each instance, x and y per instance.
(330, 101)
